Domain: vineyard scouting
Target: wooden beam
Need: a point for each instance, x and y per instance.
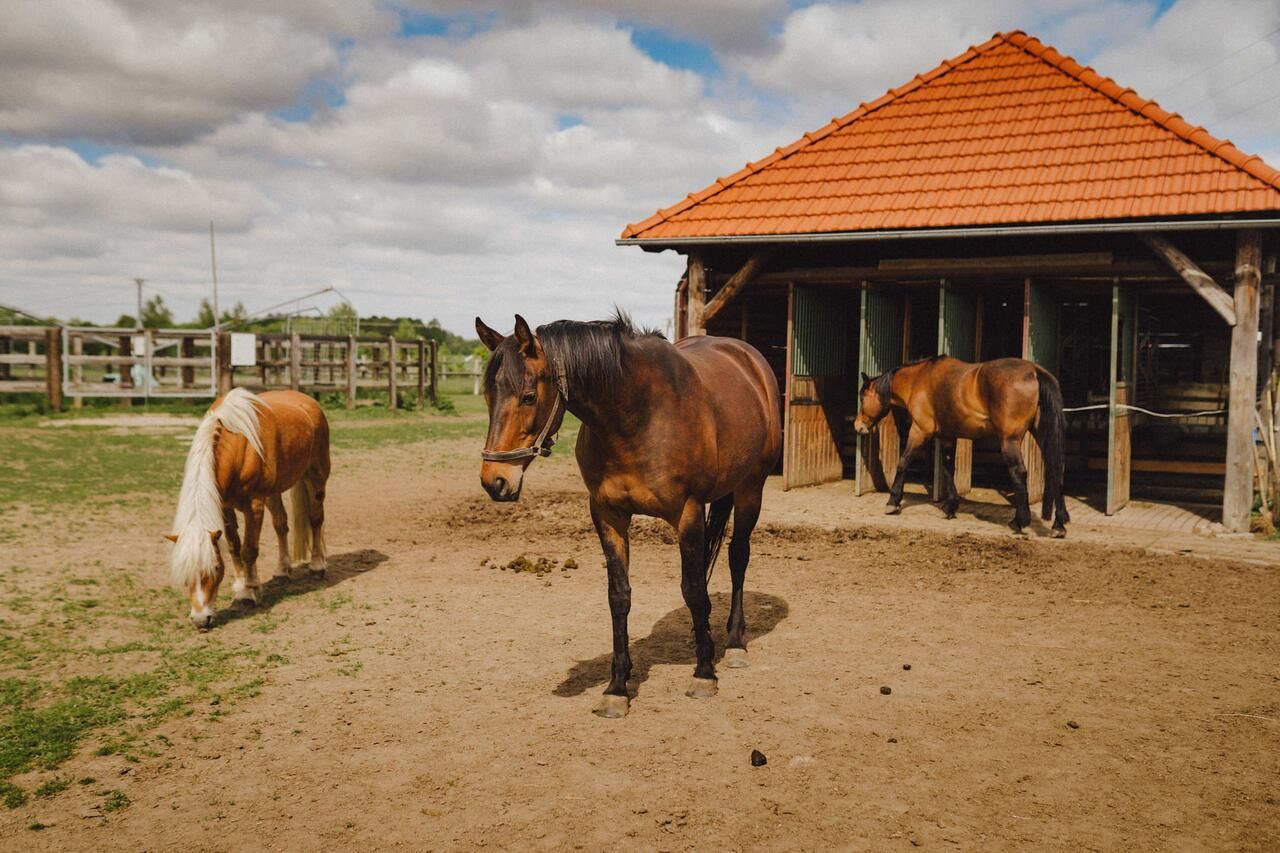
(1007, 263)
(1237, 494)
(1201, 282)
(736, 282)
(697, 295)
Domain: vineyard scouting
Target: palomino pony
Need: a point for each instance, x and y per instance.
(666, 431)
(947, 398)
(247, 452)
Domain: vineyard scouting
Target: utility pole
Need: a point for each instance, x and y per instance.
(138, 319)
(213, 264)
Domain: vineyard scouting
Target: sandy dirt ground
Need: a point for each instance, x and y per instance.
(1060, 695)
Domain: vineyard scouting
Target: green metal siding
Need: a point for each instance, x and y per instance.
(957, 322)
(821, 332)
(1043, 327)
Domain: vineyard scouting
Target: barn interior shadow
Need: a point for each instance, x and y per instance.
(671, 641)
(278, 588)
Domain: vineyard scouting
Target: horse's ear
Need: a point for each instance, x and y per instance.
(528, 343)
(172, 537)
(488, 336)
(865, 378)
(214, 536)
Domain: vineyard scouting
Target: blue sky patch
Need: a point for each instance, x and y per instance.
(676, 52)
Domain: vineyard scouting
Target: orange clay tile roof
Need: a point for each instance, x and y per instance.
(1008, 132)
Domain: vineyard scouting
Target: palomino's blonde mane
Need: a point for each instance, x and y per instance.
(199, 502)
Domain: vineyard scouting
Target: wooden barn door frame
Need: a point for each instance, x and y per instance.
(787, 434)
(952, 314)
(816, 363)
(1119, 453)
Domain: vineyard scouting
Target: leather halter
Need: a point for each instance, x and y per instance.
(542, 444)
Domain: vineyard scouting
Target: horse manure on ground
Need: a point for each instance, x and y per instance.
(540, 566)
(885, 691)
(758, 759)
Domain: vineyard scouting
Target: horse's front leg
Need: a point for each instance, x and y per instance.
(280, 521)
(916, 439)
(613, 528)
(1011, 449)
(245, 588)
(693, 583)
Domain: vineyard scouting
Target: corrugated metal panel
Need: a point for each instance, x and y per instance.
(1043, 327)
(882, 331)
(958, 322)
(821, 332)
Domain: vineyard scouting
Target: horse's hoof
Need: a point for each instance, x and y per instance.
(702, 688)
(951, 514)
(892, 509)
(244, 603)
(1058, 533)
(612, 707)
(735, 658)
(315, 574)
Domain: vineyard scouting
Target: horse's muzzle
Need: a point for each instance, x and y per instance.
(202, 621)
(503, 484)
(861, 427)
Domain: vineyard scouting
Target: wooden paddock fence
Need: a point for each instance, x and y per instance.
(59, 362)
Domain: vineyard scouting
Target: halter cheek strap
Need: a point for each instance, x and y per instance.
(542, 444)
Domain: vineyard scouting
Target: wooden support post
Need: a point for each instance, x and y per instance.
(681, 314)
(697, 295)
(1200, 281)
(295, 361)
(422, 373)
(53, 367)
(736, 282)
(787, 436)
(392, 400)
(351, 372)
(1237, 495)
(188, 350)
(225, 370)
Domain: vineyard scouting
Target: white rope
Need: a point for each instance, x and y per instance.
(1147, 411)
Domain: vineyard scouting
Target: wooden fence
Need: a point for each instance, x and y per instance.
(111, 362)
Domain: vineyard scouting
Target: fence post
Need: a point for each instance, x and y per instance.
(295, 361)
(188, 351)
(77, 371)
(5, 348)
(422, 373)
(391, 373)
(351, 372)
(435, 349)
(53, 367)
(225, 378)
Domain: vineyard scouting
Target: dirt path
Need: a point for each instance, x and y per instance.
(1059, 696)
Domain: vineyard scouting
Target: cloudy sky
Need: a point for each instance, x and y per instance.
(443, 158)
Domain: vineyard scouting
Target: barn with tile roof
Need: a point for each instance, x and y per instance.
(1010, 202)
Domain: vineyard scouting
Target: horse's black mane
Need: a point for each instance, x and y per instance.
(590, 356)
(883, 383)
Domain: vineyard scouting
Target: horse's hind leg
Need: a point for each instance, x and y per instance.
(950, 497)
(693, 583)
(280, 520)
(1011, 449)
(746, 512)
(315, 515)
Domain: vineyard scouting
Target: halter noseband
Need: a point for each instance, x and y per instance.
(542, 444)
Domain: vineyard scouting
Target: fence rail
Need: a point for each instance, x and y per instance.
(78, 362)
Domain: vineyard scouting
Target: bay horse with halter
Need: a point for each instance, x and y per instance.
(248, 453)
(667, 431)
(948, 399)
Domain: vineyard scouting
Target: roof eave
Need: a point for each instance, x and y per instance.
(1030, 230)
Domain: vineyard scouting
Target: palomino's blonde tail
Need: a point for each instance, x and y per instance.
(199, 502)
(299, 498)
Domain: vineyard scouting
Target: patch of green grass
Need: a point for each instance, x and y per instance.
(115, 801)
(12, 795)
(36, 826)
(86, 780)
(53, 787)
(334, 602)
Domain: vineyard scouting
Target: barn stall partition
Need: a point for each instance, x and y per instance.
(1010, 202)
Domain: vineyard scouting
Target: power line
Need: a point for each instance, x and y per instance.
(1231, 55)
(1230, 86)
(1249, 108)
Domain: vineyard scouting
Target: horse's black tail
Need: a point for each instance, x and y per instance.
(717, 521)
(1051, 433)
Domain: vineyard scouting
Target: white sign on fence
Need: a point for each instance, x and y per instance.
(244, 349)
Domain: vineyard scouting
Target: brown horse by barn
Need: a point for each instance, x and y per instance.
(247, 454)
(947, 399)
(666, 431)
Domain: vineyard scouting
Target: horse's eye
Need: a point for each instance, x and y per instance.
(529, 399)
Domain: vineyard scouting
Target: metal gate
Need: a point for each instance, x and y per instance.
(146, 363)
(819, 352)
(880, 348)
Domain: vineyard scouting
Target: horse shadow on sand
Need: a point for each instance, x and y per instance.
(276, 589)
(670, 641)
